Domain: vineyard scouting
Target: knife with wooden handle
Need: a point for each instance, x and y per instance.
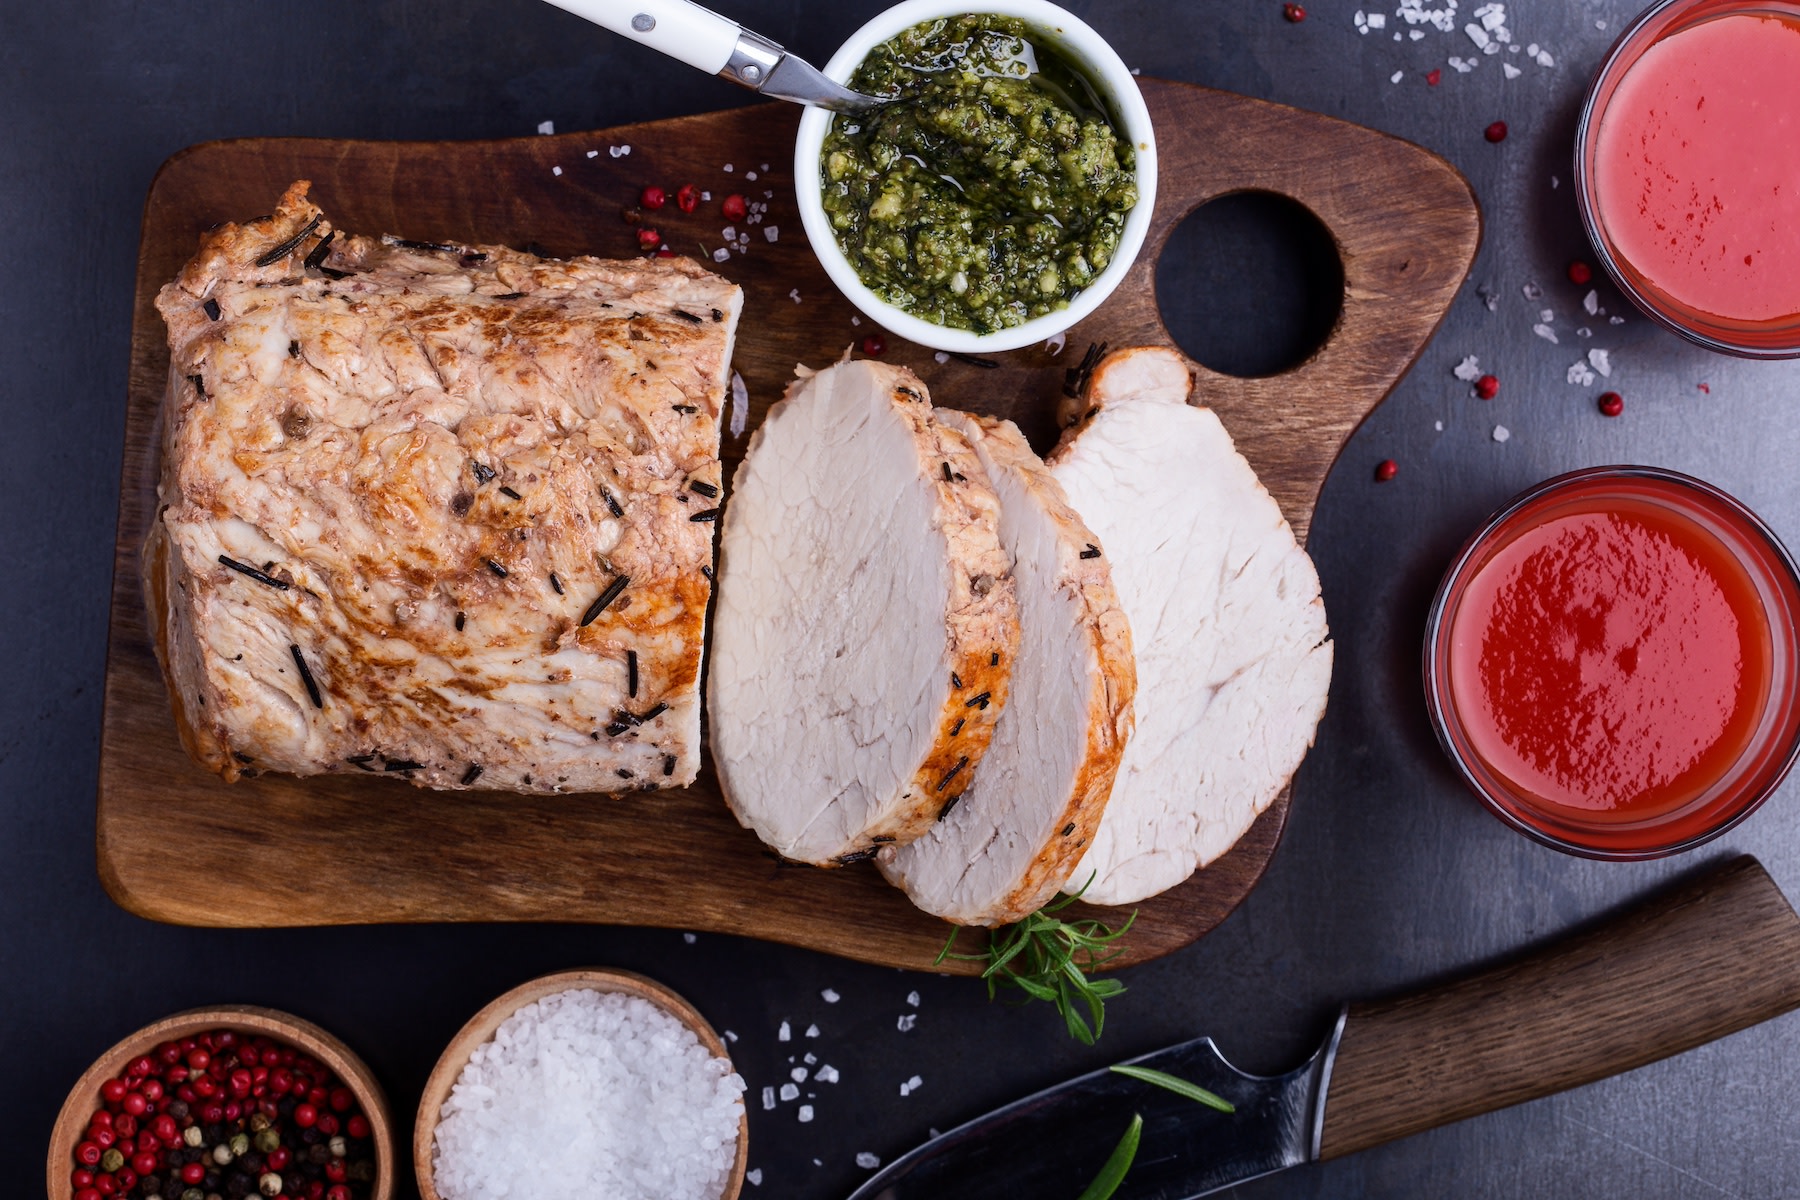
(1712, 955)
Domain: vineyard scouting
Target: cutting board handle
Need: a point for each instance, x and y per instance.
(1711, 956)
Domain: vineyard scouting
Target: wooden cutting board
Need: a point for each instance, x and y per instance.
(176, 844)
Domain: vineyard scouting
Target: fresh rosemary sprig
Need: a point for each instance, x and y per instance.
(1176, 1084)
(1117, 1163)
(1048, 958)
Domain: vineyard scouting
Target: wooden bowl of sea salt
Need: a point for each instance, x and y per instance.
(581, 1084)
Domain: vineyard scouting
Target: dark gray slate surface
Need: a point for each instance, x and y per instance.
(1389, 874)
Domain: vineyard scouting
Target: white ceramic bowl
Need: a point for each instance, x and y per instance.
(1111, 79)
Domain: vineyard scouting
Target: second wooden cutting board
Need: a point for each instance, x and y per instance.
(176, 844)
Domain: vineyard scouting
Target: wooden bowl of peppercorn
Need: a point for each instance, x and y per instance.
(142, 1104)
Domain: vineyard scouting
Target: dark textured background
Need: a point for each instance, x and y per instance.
(1390, 873)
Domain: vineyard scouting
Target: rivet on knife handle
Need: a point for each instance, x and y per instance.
(1711, 956)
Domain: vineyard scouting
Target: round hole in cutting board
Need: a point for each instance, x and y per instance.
(1250, 284)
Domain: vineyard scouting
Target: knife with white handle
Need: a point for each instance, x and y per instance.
(718, 45)
(1716, 954)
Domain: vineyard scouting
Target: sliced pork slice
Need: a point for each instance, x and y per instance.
(866, 621)
(1140, 372)
(1035, 801)
(1233, 660)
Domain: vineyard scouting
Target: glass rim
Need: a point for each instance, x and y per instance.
(1620, 57)
(1440, 708)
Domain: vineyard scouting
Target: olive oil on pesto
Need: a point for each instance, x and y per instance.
(986, 195)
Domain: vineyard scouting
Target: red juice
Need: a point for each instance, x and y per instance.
(1696, 167)
(1613, 662)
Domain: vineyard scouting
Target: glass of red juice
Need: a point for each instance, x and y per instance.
(1687, 171)
(1613, 663)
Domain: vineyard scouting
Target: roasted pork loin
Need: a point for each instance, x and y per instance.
(1038, 795)
(435, 511)
(1233, 661)
(866, 622)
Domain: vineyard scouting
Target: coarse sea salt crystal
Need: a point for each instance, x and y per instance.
(1532, 291)
(827, 1074)
(1584, 332)
(593, 154)
(812, 1031)
(1545, 332)
(690, 938)
(830, 996)
(1501, 433)
(772, 233)
(721, 254)
(785, 1033)
(790, 1091)
(754, 1176)
(1544, 59)
(556, 170)
(798, 1074)
(1600, 360)
(1615, 320)
(805, 1113)
(1579, 374)
(1510, 71)
(907, 1021)
(867, 1161)
(1468, 370)
(546, 126)
(585, 1094)
(740, 405)
(912, 998)
(768, 1098)
(1397, 76)
(940, 358)
(810, 1059)
(1547, 315)
(1377, 21)
(1591, 302)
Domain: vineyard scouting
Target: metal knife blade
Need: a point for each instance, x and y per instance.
(767, 67)
(1052, 1143)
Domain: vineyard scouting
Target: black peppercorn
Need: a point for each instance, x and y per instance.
(179, 1110)
(318, 1152)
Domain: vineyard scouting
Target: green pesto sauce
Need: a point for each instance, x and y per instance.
(987, 195)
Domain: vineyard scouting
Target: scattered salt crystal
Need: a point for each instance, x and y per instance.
(829, 995)
(707, 196)
(1510, 71)
(768, 1097)
(794, 295)
(1591, 302)
(812, 1031)
(907, 1021)
(614, 1076)
(1478, 35)
(1501, 433)
(1396, 35)
(1601, 361)
(690, 938)
(740, 405)
(556, 170)
(729, 168)
(546, 126)
(1547, 315)
(1555, 182)
(1584, 332)
(1463, 66)
(1397, 76)
(810, 1059)
(1377, 21)
(805, 1113)
(1600, 25)
(867, 1161)
(1440, 426)
(1579, 374)
(912, 998)
(750, 175)
(790, 1091)
(798, 1074)
(1054, 344)
(1544, 59)
(729, 233)
(785, 1033)
(911, 1085)
(1468, 370)
(940, 357)
(593, 154)
(1545, 332)
(721, 254)
(772, 233)
(827, 1074)
(618, 151)
(1532, 49)
(769, 195)
(1533, 291)
(730, 1036)
(1615, 320)
(754, 1175)
(1417, 35)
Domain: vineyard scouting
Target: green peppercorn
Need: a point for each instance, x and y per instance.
(193, 1194)
(240, 1144)
(112, 1160)
(258, 1123)
(269, 1184)
(267, 1140)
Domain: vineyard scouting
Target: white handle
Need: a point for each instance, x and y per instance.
(697, 36)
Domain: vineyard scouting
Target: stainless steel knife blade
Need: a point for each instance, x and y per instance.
(758, 63)
(1051, 1143)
